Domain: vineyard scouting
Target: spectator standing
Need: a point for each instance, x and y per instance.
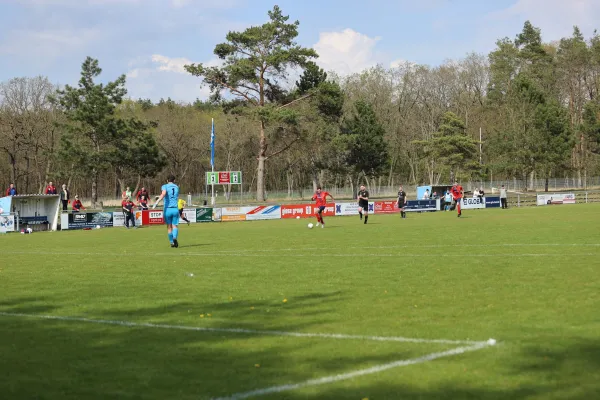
(77, 206)
(475, 193)
(481, 193)
(447, 200)
(426, 195)
(12, 190)
(142, 192)
(127, 193)
(65, 197)
(128, 206)
(503, 202)
(50, 189)
(143, 202)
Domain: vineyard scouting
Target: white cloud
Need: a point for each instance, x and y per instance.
(347, 51)
(398, 63)
(160, 76)
(556, 18)
(171, 64)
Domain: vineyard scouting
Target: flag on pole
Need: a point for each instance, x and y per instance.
(212, 144)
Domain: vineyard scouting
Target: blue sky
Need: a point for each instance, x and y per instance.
(151, 40)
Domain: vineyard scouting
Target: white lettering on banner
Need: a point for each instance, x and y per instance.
(79, 217)
(561, 198)
(156, 214)
(472, 203)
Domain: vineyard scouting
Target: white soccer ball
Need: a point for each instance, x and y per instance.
(310, 226)
(98, 226)
(297, 217)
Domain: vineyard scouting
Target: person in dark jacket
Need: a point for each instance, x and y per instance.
(65, 197)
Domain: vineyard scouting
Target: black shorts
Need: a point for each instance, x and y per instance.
(181, 212)
(364, 206)
(320, 209)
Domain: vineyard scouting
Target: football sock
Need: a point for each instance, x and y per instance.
(366, 218)
(175, 233)
(170, 238)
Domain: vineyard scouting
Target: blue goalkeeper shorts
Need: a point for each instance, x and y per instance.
(172, 216)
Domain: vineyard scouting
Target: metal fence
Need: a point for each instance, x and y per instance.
(513, 186)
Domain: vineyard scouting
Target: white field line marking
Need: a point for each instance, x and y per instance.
(244, 331)
(354, 374)
(241, 252)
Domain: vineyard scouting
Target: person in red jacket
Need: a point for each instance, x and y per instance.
(77, 206)
(321, 198)
(127, 205)
(142, 192)
(50, 189)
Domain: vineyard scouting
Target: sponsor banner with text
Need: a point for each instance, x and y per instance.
(235, 213)
(492, 202)
(305, 210)
(204, 215)
(471, 203)
(561, 198)
(351, 208)
(88, 220)
(118, 219)
(386, 207)
(189, 214)
(421, 205)
(264, 212)
(152, 217)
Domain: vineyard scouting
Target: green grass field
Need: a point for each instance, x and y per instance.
(529, 278)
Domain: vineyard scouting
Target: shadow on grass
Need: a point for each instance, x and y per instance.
(53, 359)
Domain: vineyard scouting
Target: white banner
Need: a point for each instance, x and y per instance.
(190, 214)
(7, 223)
(561, 198)
(264, 212)
(469, 203)
(236, 210)
(351, 208)
(119, 219)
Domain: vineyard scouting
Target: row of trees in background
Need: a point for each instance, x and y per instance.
(534, 104)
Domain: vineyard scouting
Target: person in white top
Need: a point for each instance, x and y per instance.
(503, 197)
(426, 195)
(476, 193)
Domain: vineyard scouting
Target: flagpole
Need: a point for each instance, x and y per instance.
(212, 161)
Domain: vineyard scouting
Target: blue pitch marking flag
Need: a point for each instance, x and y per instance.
(212, 144)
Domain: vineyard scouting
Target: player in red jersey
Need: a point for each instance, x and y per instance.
(457, 194)
(321, 198)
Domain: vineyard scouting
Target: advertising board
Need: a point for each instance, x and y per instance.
(305, 210)
(471, 203)
(350, 208)
(560, 198)
(264, 212)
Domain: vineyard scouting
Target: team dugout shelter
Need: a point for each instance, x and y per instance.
(36, 211)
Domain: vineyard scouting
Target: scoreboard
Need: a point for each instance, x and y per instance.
(224, 178)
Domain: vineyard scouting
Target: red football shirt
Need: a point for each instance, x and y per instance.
(456, 191)
(321, 198)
